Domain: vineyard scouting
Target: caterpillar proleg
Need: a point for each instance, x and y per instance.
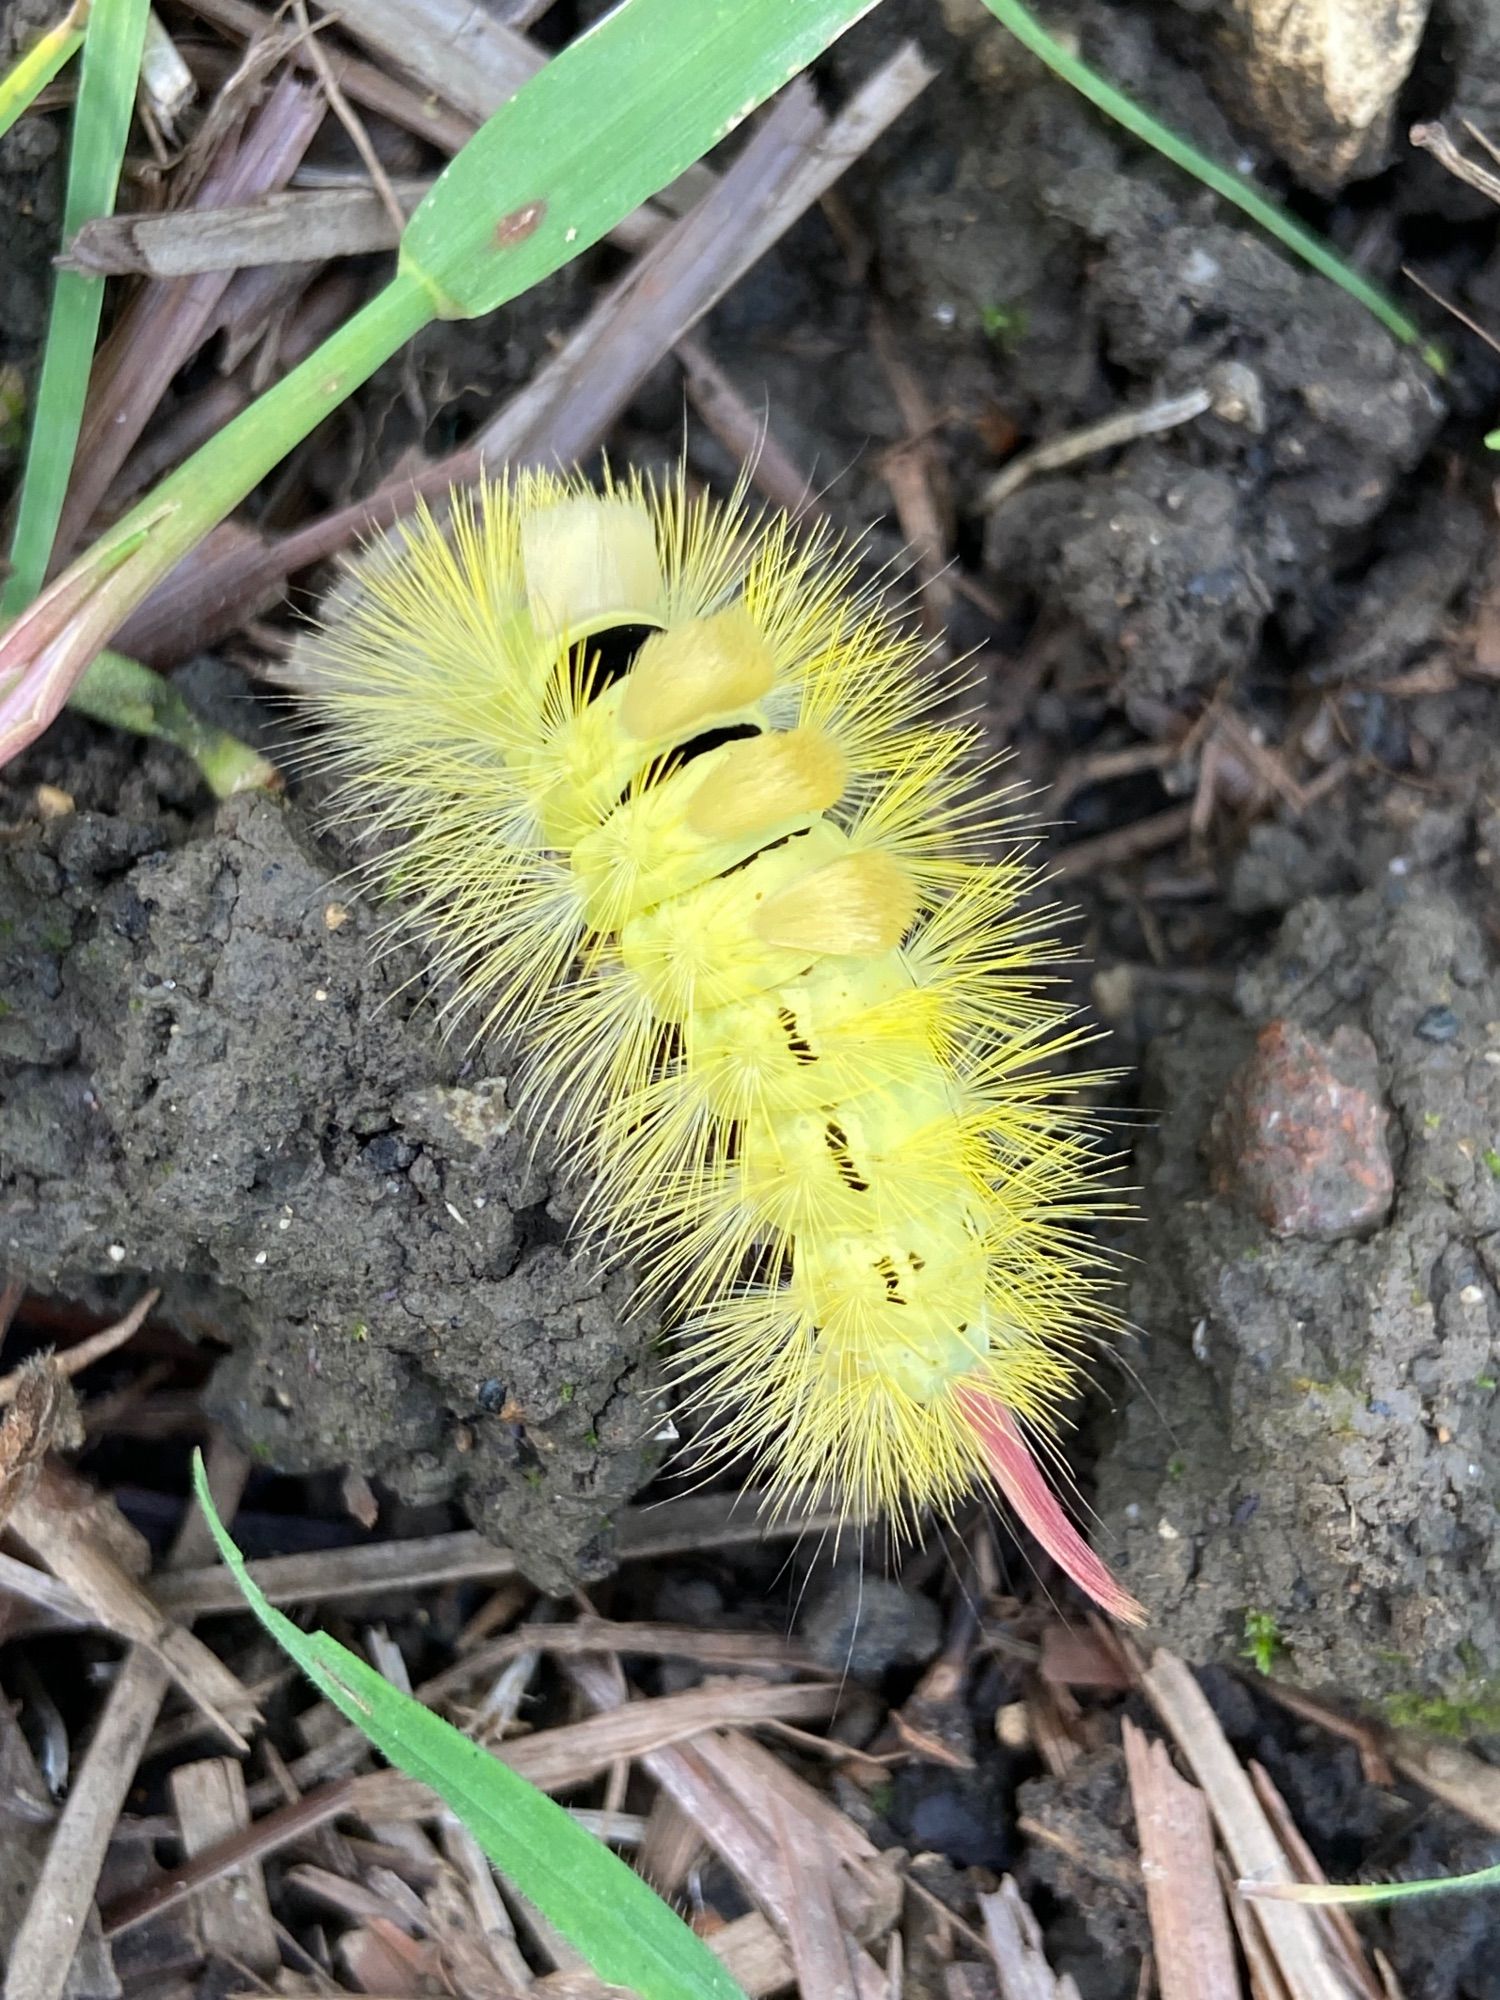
(680, 819)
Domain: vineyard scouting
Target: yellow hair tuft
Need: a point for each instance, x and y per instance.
(678, 816)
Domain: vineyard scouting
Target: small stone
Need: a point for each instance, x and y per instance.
(1300, 1137)
(863, 1625)
(1438, 1024)
(52, 802)
(1013, 1725)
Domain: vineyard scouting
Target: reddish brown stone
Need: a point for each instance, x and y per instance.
(1300, 1137)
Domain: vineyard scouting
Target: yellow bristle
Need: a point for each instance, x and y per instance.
(775, 955)
(587, 563)
(695, 674)
(759, 784)
(858, 905)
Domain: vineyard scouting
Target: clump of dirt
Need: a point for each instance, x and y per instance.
(1056, 272)
(1316, 1453)
(217, 1085)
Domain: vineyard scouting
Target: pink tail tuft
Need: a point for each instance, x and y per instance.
(1025, 1486)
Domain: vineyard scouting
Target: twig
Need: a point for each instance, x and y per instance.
(1433, 137)
(646, 1534)
(298, 226)
(1461, 1780)
(1122, 428)
(1125, 843)
(48, 1933)
(73, 1360)
(339, 105)
(1463, 318)
(70, 1531)
(263, 1837)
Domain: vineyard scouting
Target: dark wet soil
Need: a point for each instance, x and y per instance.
(214, 1084)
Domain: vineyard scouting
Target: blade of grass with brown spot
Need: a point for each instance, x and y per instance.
(612, 120)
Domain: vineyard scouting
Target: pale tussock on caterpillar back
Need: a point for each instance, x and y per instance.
(732, 886)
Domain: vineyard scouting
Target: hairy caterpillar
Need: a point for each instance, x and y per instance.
(678, 814)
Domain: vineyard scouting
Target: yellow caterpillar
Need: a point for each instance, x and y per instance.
(678, 815)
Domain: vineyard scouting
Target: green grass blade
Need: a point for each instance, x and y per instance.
(1363, 1895)
(530, 190)
(1231, 186)
(653, 86)
(24, 82)
(101, 120)
(126, 695)
(629, 1936)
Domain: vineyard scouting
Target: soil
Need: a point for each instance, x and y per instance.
(220, 1087)
(217, 1084)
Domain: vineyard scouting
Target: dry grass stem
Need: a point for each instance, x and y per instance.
(352, 123)
(1106, 435)
(164, 326)
(291, 227)
(705, 1782)
(419, 112)
(84, 1353)
(233, 1911)
(1296, 1941)
(564, 410)
(571, 401)
(1189, 1925)
(1015, 1941)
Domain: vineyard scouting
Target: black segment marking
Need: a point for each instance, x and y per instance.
(837, 1141)
(608, 656)
(796, 1041)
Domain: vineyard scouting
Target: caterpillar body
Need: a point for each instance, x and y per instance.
(679, 816)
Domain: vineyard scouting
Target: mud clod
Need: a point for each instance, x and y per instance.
(1320, 1440)
(248, 1103)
